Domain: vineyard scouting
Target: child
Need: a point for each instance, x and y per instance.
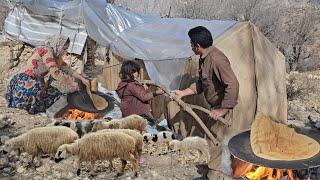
(134, 96)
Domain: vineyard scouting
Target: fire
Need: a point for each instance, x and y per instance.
(252, 172)
(269, 174)
(75, 114)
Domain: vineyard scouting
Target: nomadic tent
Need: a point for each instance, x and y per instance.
(163, 45)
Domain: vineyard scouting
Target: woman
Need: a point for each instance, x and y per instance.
(28, 90)
(134, 96)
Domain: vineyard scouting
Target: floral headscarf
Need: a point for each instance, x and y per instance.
(56, 42)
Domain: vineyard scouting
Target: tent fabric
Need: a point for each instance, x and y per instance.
(34, 29)
(260, 70)
(127, 34)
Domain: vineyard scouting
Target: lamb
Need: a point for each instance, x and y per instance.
(113, 124)
(133, 133)
(191, 143)
(80, 127)
(42, 140)
(130, 122)
(147, 138)
(101, 146)
(163, 137)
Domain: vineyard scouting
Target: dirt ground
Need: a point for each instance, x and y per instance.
(13, 122)
(303, 100)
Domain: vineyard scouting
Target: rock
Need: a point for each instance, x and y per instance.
(37, 178)
(3, 163)
(70, 175)
(3, 121)
(3, 139)
(20, 169)
(7, 169)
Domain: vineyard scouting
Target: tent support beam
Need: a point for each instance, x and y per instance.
(188, 108)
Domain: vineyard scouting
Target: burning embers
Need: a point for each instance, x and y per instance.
(252, 172)
(75, 114)
(269, 173)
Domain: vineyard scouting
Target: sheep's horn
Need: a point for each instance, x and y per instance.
(187, 108)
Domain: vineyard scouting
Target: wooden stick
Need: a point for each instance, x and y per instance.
(187, 108)
(221, 119)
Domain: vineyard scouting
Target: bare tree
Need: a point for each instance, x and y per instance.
(296, 37)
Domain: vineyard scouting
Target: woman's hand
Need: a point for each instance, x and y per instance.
(145, 86)
(85, 81)
(159, 91)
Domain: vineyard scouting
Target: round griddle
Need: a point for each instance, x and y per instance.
(81, 100)
(239, 146)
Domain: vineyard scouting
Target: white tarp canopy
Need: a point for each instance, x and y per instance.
(160, 42)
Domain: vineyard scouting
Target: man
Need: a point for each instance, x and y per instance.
(218, 83)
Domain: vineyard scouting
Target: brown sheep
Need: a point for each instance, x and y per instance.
(130, 122)
(101, 146)
(42, 140)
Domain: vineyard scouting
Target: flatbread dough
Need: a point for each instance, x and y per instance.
(275, 141)
(99, 102)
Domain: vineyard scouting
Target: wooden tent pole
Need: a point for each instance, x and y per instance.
(186, 108)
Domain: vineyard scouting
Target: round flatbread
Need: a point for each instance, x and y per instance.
(275, 141)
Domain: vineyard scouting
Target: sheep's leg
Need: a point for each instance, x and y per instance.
(123, 165)
(185, 155)
(78, 167)
(92, 169)
(111, 165)
(31, 163)
(135, 166)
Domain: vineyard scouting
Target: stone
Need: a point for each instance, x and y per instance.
(3, 163)
(3, 139)
(20, 169)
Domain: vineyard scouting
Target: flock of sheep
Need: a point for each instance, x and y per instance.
(101, 140)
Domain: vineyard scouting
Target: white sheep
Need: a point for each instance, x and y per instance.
(101, 146)
(130, 122)
(42, 140)
(133, 133)
(161, 138)
(147, 138)
(191, 143)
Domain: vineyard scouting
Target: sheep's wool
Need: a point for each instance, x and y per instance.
(274, 141)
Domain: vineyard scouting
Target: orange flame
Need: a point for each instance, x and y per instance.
(252, 172)
(75, 114)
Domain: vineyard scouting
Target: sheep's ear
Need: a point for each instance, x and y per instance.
(164, 135)
(155, 138)
(173, 137)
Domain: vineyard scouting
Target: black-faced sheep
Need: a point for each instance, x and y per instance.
(161, 138)
(80, 127)
(130, 122)
(191, 143)
(101, 146)
(42, 140)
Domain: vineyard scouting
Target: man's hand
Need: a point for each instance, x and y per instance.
(178, 93)
(216, 113)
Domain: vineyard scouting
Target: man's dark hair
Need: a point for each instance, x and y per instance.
(127, 69)
(200, 35)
